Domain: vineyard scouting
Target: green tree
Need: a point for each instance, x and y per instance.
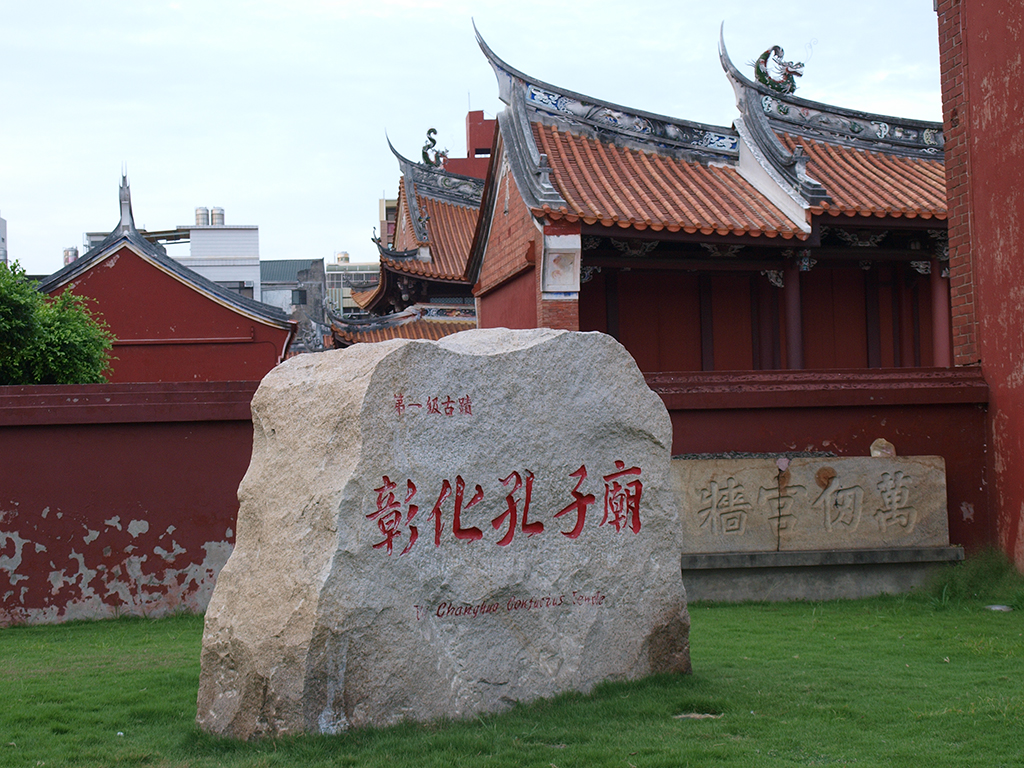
(48, 340)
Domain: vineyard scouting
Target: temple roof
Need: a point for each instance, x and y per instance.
(443, 231)
(578, 158)
(421, 321)
(649, 189)
(125, 233)
(869, 183)
(438, 211)
(785, 159)
(839, 160)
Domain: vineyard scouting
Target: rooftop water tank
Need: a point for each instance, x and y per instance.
(202, 216)
(217, 217)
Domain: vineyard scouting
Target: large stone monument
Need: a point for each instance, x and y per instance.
(443, 528)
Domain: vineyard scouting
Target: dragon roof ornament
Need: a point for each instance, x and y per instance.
(781, 111)
(609, 122)
(431, 156)
(789, 169)
(771, 60)
(437, 184)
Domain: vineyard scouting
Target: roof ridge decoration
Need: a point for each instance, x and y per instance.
(831, 124)
(417, 311)
(437, 184)
(124, 195)
(394, 255)
(788, 169)
(788, 70)
(431, 156)
(610, 122)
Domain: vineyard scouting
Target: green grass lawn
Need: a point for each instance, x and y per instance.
(934, 680)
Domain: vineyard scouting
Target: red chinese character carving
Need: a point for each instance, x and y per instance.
(435, 513)
(400, 403)
(531, 529)
(449, 406)
(414, 532)
(389, 515)
(465, 406)
(432, 405)
(468, 534)
(622, 501)
(579, 503)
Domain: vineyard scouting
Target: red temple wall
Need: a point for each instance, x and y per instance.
(673, 320)
(594, 303)
(982, 72)
(732, 322)
(118, 498)
(834, 321)
(659, 319)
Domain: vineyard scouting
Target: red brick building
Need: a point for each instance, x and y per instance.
(982, 99)
(140, 517)
(170, 323)
(782, 282)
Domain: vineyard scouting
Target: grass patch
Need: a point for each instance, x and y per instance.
(987, 577)
(900, 681)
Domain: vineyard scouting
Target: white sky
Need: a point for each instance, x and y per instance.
(277, 111)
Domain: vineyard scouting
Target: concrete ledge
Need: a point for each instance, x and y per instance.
(812, 575)
(819, 388)
(22, 406)
(822, 557)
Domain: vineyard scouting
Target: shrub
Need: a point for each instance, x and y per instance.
(47, 340)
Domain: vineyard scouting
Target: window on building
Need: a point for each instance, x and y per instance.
(237, 286)
(299, 296)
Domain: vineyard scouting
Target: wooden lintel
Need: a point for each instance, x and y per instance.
(682, 263)
(775, 243)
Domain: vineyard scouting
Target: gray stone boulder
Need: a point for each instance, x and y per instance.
(435, 529)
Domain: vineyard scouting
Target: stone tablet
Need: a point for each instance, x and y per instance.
(435, 529)
(860, 502)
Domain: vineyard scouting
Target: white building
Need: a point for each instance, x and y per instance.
(228, 255)
(3, 240)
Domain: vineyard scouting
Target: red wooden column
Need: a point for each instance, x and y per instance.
(941, 343)
(794, 316)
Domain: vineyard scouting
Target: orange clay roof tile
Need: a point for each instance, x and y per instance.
(416, 329)
(610, 184)
(450, 229)
(867, 183)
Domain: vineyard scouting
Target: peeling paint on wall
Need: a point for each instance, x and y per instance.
(11, 563)
(142, 520)
(107, 573)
